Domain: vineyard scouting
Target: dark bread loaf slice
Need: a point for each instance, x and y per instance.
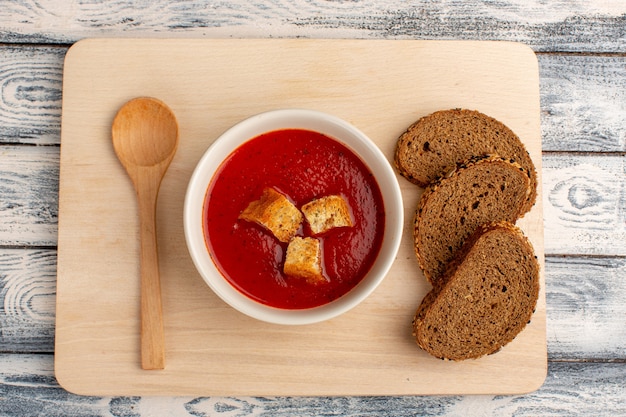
(434, 144)
(486, 299)
(482, 190)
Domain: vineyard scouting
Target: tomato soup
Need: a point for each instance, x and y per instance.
(303, 165)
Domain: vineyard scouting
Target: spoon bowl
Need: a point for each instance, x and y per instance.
(145, 138)
(145, 133)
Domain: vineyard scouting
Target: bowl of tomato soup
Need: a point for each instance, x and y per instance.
(293, 216)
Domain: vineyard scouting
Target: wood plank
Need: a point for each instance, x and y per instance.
(27, 300)
(546, 26)
(583, 99)
(584, 200)
(583, 103)
(28, 388)
(584, 204)
(585, 307)
(29, 188)
(30, 103)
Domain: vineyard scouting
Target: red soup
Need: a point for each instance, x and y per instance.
(303, 165)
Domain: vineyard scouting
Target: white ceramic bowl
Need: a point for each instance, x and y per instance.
(330, 126)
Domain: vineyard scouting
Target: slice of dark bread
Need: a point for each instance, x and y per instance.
(434, 144)
(482, 190)
(486, 299)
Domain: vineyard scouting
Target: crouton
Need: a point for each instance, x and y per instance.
(327, 213)
(304, 259)
(276, 213)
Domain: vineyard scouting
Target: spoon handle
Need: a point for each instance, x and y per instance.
(152, 337)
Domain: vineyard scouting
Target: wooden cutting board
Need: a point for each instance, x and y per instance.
(380, 86)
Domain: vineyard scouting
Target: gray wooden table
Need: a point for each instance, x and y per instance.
(581, 47)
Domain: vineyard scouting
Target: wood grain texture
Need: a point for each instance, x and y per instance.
(27, 300)
(547, 26)
(583, 103)
(29, 187)
(30, 103)
(585, 204)
(586, 309)
(28, 388)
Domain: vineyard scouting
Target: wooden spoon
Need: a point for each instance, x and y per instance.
(145, 137)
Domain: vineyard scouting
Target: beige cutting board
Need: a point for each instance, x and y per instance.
(381, 86)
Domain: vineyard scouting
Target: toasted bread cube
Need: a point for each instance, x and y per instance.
(327, 213)
(274, 212)
(304, 259)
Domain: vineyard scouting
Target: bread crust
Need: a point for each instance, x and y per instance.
(432, 146)
(485, 318)
(437, 209)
